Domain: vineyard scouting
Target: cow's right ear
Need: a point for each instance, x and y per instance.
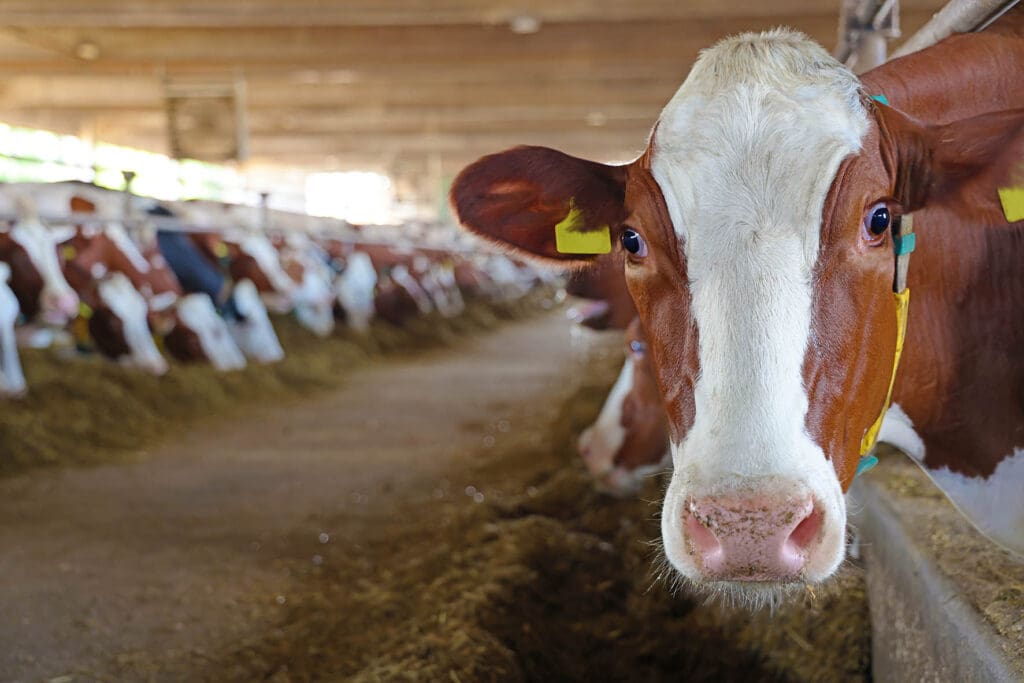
(542, 202)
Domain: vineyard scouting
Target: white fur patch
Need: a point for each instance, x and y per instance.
(255, 335)
(745, 154)
(897, 430)
(314, 299)
(995, 505)
(354, 290)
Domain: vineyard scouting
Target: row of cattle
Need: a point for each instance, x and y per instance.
(762, 242)
(199, 281)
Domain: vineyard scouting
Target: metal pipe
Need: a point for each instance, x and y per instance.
(958, 16)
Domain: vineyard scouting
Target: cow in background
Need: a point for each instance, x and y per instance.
(355, 283)
(30, 249)
(104, 266)
(308, 267)
(199, 260)
(629, 440)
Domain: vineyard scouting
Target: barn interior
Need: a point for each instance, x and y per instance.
(405, 501)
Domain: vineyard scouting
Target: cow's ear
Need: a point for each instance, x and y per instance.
(542, 202)
(931, 162)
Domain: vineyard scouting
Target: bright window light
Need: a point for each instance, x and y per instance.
(356, 196)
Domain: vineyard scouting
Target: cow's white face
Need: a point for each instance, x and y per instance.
(314, 299)
(354, 290)
(254, 335)
(197, 313)
(12, 379)
(744, 156)
(58, 301)
(117, 292)
(758, 236)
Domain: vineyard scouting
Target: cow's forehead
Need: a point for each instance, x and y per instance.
(751, 142)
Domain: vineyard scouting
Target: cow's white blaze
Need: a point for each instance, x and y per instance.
(254, 335)
(197, 313)
(354, 290)
(12, 379)
(314, 298)
(994, 504)
(130, 307)
(744, 155)
(124, 243)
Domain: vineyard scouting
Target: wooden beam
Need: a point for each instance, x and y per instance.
(274, 13)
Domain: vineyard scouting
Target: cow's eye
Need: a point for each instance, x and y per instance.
(633, 242)
(877, 220)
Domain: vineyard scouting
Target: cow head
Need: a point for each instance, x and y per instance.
(254, 258)
(758, 247)
(200, 334)
(252, 331)
(629, 440)
(102, 266)
(354, 290)
(30, 249)
(12, 379)
(120, 325)
(313, 298)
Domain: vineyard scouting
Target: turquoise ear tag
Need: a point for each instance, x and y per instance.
(865, 464)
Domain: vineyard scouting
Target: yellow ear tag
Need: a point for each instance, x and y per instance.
(1012, 199)
(221, 250)
(70, 253)
(572, 238)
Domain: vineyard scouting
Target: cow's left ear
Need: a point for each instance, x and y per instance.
(931, 162)
(542, 203)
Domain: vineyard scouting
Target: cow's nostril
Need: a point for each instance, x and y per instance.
(704, 544)
(806, 531)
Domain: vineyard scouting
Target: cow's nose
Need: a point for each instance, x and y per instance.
(752, 539)
(60, 304)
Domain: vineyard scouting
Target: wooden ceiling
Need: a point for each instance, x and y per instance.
(405, 86)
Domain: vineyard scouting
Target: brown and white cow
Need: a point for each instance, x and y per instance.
(30, 249)
(759, 237)
(629, 440)
(104, 266)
